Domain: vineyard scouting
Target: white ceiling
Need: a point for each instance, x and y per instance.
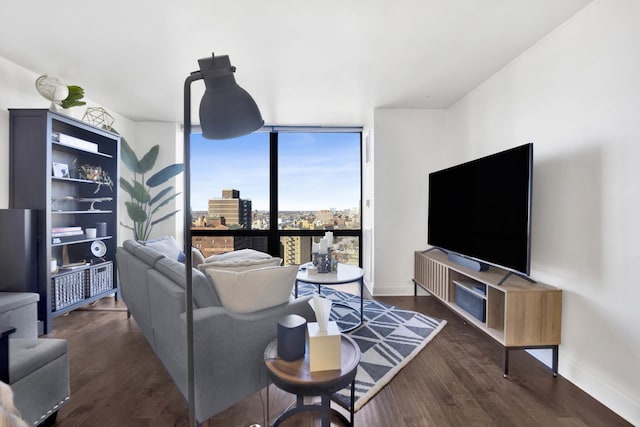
(326, 62)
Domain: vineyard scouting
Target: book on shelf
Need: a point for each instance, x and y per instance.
(71, 141)
(67, 233)
(65, 229)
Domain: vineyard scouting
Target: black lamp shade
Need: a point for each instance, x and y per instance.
(226, 110)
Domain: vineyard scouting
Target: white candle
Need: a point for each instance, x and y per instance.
(329, 236)
(323, 246)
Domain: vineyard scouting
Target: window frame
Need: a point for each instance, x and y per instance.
(274, 234)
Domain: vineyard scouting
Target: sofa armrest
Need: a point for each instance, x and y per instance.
(229, 352)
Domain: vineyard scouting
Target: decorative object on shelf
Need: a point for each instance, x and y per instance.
(76, 93)
(98, 117)
(58, 199)
(60, 170)
(143, 205)
(98, 249)
(93, 201)
(52, 88)
(59, 93)
(95, 174)
(102, 229)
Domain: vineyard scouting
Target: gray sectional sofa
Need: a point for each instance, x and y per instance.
(228, 346)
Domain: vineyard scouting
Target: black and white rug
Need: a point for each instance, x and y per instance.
(389, 339)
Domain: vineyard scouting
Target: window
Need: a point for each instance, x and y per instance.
(230, 181)
(277, 192)
(318, 181)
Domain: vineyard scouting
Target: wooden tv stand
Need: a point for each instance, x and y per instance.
(519, 314)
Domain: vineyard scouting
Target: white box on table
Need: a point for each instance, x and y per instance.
(324, 347)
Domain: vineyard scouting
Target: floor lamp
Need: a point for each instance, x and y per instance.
(226, 111)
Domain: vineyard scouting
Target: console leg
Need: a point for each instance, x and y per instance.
(555, 360)
(505, 362)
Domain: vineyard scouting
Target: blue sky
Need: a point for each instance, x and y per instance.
(316, 170)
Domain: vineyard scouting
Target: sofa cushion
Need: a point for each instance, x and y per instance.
(254, 290)
(148, 255)
(241, 264)
(167, 246)
(204, 294)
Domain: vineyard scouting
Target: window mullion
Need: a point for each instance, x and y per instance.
(274, 237)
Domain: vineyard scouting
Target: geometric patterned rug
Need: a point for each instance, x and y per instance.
(388, 340)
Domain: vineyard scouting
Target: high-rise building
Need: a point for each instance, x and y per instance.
(296, 250)
(232, 208)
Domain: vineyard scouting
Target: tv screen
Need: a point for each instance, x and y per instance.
(482, 209)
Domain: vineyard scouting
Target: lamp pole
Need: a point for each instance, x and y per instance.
(226, 111)
(196, 75)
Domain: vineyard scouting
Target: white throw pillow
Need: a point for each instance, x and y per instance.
(241, 254)
(196, 257)
(241, 264)
(254, 290)
(167, 246)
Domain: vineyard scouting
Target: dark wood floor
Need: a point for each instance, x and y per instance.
(455, 381)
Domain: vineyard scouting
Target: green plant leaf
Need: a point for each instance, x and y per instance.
(160, 195)
(76, 93)
(140, 194)
(165, 174)
(129, 157)
(149, 160)
(136, 213)
(126, 186)
(165, 217)
(164, 202)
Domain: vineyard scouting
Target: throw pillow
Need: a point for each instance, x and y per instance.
(167, 246)
(239, 254)
(241, 264)
(254, 290)
(196, 257)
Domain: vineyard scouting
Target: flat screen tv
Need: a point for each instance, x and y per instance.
(481, 209)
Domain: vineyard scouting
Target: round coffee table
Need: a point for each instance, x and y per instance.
(295, 377)
(345, 273)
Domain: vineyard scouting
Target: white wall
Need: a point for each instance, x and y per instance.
(576, 96)
(408, 144)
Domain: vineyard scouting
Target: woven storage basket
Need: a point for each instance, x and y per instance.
(67, 289)
(98, 279)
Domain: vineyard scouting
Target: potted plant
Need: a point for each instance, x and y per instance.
(146, 199)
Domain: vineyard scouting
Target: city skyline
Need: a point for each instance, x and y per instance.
(309, 164)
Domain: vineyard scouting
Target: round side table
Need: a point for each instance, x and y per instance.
(296, 378)
(345, 274)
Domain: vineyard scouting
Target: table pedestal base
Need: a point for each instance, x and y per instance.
(324, 409)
